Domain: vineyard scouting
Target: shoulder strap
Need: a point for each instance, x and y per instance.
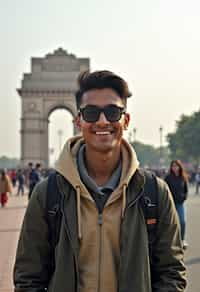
(53, 213)
(149, 204)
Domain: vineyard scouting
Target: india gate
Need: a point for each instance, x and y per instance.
(50, 85)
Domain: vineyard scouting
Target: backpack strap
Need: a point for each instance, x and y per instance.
(149, 204)
(53, 214)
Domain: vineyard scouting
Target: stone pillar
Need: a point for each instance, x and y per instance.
(34, 145)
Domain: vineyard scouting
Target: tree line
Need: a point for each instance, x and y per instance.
(183, 144)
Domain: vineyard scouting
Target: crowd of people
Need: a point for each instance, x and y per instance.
(22, 181)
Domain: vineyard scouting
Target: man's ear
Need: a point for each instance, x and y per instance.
(77, 122)
(126, 120)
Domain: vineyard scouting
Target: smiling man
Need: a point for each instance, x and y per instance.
(101, 242)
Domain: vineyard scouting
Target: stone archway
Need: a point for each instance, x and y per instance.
(50, 85)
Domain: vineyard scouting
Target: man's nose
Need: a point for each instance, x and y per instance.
(102, 118)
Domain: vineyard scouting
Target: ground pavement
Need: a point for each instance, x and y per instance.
(192, 254)
(10, 222)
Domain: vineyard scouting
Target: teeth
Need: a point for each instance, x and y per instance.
(102, 133)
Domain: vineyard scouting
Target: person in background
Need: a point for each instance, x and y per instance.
(13, 176)
(197, 181)
(177, 181)
(5, 187)
(27, 172)
(34, 178)
(21, 181)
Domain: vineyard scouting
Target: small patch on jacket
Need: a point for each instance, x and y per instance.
(151, 221)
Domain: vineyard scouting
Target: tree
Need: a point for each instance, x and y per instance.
(149, 155)
(6, 162)
(184, 142)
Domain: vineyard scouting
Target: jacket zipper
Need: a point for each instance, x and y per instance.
(100, 222)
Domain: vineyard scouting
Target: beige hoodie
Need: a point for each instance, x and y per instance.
(99, 234)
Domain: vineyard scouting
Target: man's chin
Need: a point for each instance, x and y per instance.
(103, 148)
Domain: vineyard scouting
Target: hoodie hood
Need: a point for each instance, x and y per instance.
(67, 167)
(67, 163)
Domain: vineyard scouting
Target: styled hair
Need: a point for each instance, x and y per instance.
(182, 171)
(100, 80)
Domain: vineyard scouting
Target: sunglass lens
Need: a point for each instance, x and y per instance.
(90, 114)
(113, 113)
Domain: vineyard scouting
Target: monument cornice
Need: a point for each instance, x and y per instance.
(43, 93)
(32, 131)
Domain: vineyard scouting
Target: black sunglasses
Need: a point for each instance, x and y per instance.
(91, 113)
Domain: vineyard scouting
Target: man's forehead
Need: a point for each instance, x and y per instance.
(101, 97)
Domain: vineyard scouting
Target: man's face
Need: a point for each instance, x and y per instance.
(102, 135)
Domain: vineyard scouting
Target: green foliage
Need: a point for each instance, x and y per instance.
(150, 156)
(184, 143)
(8, 163)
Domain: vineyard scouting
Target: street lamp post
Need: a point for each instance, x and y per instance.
(161, 142)
(134, 134)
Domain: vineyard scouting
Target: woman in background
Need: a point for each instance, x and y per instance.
(178, 183)
(5, 187)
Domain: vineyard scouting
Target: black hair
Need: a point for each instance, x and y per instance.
(182, 171)
(100, 80)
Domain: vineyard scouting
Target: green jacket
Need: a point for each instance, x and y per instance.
(31, 267)
(133, 274)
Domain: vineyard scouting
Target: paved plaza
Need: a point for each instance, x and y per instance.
(10, 222)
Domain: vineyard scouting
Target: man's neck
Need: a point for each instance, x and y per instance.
(100, 166)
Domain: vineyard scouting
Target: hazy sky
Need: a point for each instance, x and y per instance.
(154, 45)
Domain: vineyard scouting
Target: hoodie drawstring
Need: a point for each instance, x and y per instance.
(78, 206)
(123, 199)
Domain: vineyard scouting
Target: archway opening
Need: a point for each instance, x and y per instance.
(60, 129)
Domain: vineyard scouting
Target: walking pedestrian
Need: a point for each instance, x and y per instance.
(197, 181)
(21, 181)
(178, 183)
(13, 176)
(5, 187)
(34, 178)
(102, 240)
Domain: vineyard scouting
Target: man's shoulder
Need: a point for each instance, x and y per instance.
(40, 191)
(160, 185)
(164, 194)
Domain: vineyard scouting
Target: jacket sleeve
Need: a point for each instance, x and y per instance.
(33, 251)
(168, 267)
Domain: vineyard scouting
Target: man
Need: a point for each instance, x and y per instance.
(103, 243)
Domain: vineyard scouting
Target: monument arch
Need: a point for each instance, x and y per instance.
(51, 85)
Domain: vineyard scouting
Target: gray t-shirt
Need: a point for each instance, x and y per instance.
(102, 193)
